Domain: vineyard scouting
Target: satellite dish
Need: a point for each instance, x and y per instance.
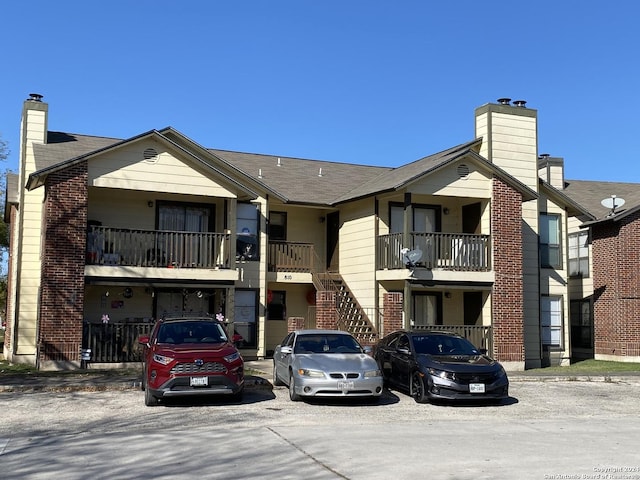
(410, 257)
(612, 203)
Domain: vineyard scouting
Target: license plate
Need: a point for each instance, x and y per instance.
(199, 381)
(476, 388)
(345, 385)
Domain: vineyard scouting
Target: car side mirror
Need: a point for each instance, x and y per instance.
(368, 349)
(483, 351)
(404, 351)
(144, 340)
(286, 350)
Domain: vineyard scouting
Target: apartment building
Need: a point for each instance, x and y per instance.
(109, 234)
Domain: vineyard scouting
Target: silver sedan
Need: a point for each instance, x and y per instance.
(325, 363)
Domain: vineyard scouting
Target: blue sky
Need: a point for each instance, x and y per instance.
(362, 81)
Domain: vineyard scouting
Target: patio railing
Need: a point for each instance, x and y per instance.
(114, 342)
(480, 336)
(291, 257)
(448, 251)
(157, 248)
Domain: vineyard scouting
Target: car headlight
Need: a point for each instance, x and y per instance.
(442, 374)
(306, 372)
(501, 373)
(162, 359)
(372, 373)
(232, 358)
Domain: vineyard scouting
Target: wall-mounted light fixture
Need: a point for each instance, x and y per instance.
(321, 219)
(445, 210)
(150, 203)
(447, 294)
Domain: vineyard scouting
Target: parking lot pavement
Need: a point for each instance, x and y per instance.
(559, 429)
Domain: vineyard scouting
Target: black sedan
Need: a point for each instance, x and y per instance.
(433, 365)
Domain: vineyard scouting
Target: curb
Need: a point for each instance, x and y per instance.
(575, 378)
(99, 385)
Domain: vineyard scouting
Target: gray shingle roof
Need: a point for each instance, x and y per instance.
(589, 194)
(298, 180)
(63, 146)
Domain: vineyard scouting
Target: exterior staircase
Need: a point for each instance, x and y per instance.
(351, 316)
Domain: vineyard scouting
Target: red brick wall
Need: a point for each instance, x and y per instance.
(507, 296)
(295, 323)
(393, 304)
(616, 284)
(62, 296)
(326, 315)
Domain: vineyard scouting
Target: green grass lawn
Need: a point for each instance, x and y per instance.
(587, 367)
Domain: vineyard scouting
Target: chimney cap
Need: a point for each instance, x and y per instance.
(35, 97)
(504, 101)
(520, 103)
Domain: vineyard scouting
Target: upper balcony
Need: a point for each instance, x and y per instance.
(136, 250)
(445, 251)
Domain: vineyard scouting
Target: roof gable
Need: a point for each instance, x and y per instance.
(119, 152)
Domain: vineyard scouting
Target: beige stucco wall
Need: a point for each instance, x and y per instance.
(514, 146)
(27, 267)
(357, 250)
(448, 183)
(126, 168)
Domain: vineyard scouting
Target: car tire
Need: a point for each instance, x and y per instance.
(237, 397)
(149, 399)
(385, 380)
(417, 388)
(293, 396)
(276, 381)
(143, 382)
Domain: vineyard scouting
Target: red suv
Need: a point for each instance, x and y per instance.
(190, 356)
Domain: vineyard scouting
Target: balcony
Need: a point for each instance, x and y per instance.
(480, 336)
(158, 248)
(291, 257)
(446, 251)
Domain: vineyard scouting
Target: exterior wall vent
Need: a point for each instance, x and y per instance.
(150, 155)
(463, 171)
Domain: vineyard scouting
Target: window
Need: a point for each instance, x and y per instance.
(581, 324)
(184, 218)
(182, 249)
(551, 321)
(247, 246)
(426, 309)
(277, 307)
(579, 254)
(425, 219)
(278, 226)
(550, 241)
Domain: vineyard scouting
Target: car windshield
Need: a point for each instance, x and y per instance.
(326, 343)
(443, 345)
(192, 331)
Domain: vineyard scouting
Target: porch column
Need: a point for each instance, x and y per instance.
(326, 313)
(507, 302)
(295, 323)
(392, 320)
